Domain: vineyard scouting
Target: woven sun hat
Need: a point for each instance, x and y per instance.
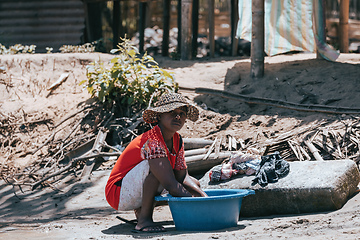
(167, 103)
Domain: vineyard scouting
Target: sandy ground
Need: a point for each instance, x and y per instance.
(79, 210)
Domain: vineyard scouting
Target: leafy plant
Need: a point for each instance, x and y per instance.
(129, 81)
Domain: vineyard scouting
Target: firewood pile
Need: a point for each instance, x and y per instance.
(85, 147)
(319, 141)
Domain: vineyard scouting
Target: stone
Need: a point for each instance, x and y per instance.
(311, 186)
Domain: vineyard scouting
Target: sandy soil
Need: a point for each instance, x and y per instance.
(79, 210)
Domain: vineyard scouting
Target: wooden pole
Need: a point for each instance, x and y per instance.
(195, 25)
(257, 42)
(116, 23)
(234, 21)
(212, 27)
(179, 27)
(142, 20)
(166, 29)
(344, 26)
(186, 29)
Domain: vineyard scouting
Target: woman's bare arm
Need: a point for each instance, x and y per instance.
(163, 171)
(190, 183)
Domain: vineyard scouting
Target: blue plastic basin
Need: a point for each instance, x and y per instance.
(221, 209)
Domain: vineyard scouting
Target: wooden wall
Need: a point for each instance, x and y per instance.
(44, 23)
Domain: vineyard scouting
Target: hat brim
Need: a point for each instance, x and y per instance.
(150, 115)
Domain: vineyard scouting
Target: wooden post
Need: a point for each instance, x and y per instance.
(186, 29)
(166, 29)
(257, 42)
(116, 23)
(179, 27)
(234, 21)
(142, 20)
(195, 26)
(93, 21)
(344, 26)
(212, 27)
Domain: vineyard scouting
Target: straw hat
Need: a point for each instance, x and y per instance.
(167, 103)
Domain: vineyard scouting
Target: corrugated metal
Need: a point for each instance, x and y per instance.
(44, 23)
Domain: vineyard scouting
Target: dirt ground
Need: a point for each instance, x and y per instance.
(80, 211)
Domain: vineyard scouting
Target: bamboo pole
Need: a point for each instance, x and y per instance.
(186, 29)
(258, 38)
(344, 26)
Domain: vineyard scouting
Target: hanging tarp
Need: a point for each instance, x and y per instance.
(288, 26)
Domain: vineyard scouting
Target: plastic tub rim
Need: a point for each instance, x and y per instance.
(236, 193)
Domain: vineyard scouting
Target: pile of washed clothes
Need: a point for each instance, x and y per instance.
(267, 169)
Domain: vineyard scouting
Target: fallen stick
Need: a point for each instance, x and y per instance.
(278, 103)
(60, 80)
(26, 123)
(72, 164)
(210, 149)
(314, 151)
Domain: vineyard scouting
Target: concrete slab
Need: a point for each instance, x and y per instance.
(311, 186)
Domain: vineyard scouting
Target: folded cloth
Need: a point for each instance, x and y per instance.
(272, 168)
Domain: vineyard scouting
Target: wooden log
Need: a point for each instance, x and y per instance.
(196, 164)
(212, 156)
(258, 39)
(191, 143)
(193, 152)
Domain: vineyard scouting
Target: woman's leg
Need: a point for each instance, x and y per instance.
(145, 213)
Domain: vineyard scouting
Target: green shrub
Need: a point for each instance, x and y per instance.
(128, 81)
